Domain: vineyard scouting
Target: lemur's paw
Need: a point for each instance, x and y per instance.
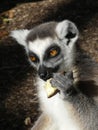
(64, 83)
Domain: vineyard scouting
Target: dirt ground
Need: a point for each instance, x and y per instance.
(18, 100)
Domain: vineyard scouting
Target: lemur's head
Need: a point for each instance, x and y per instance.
(50, 46)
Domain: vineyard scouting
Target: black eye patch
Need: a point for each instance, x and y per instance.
(52, 52)
(33, 57)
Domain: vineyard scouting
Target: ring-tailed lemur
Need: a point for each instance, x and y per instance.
(51, 48)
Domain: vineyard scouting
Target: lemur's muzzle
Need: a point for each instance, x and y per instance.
(46, 73)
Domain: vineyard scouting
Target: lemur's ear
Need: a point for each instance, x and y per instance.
(67, 29)
(20, 36)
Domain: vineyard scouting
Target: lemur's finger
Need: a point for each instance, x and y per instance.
(57, 83)
(69, 75)
(59, 77)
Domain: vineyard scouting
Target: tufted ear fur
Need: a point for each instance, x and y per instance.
(20, 36)
(67, 30)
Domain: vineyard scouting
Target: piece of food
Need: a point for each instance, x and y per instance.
(50, 90)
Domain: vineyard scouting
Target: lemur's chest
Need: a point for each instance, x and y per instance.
(61, 112)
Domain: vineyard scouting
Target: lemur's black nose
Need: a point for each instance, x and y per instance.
(44, 73)
(45, 76)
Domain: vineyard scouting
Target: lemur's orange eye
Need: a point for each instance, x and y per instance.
(33, 58)
(53, 53)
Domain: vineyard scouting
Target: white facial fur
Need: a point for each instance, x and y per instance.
(39, 46)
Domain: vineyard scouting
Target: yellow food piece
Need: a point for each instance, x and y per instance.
(50, 91)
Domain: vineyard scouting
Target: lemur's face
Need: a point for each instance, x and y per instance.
(50, 46)
(46, 56)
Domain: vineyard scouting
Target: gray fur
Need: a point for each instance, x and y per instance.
(42, 31)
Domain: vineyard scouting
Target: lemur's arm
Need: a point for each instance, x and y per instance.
(87, 84)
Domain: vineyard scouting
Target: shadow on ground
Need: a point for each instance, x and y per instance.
(16, 88)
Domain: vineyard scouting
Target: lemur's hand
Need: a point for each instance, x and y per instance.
(64, 83)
